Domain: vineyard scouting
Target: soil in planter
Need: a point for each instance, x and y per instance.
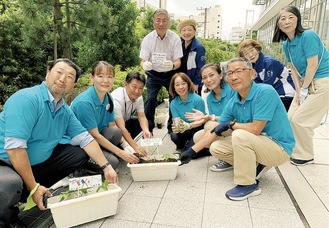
(141, 160)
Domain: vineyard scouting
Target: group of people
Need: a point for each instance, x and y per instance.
(246, 125)
(258, 116)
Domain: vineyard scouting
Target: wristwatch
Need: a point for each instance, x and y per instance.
(232, 124)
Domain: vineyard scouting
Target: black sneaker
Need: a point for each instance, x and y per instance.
(261, 169)
(300, 162)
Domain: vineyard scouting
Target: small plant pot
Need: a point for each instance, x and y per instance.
(92, 206)
(156, 168)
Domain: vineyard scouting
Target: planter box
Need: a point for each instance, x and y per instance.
(95, 205)
(154, 171)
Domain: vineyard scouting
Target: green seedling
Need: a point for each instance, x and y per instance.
(82, 192)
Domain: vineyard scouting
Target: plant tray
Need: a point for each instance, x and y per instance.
(154, 170)
(95, 205)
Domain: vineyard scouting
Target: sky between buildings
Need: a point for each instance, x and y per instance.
(233, 11)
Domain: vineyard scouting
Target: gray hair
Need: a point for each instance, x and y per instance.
(246, 62)
(160, 11)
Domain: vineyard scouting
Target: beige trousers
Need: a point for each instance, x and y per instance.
(306, 117)
(208, 127)
(244, 150)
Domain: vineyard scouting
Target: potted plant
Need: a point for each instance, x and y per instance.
(78, 206)
(155, 166)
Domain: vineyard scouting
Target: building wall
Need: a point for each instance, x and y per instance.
(213, 25)
(315, 15)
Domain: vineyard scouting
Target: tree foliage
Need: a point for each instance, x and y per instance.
(34, 32)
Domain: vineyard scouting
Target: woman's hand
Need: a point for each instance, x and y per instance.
(196, 115)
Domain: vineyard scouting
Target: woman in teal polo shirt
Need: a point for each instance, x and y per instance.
(94, 109)
(309, 63)
(185, 100)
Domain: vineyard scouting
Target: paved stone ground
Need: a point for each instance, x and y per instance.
(291, 196)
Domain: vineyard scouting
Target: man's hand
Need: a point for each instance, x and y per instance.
(110, 175)
(167, 65)
(220, 128)
(147, 134)
(38, 196)
(130, 158)
(303, 93)
(186, 156)
(147, 65)
(183, 126)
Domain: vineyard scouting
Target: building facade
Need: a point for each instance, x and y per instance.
(315, 15)
(209, 22)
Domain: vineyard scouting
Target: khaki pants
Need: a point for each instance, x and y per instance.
(306, 117)
(208, 127)
(244, 150)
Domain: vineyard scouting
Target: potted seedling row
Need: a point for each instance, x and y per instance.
(155, 166)
(87, 199)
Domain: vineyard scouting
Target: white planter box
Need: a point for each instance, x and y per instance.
(154, 171)
(95, 205)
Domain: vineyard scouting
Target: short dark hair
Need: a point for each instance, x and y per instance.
(68, 62)
(185, 78)
(278, 34)
(135, 75)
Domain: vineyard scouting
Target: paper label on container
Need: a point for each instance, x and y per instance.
(85, 182)
(151, 142)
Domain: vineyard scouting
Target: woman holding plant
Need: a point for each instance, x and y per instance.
(184, 100)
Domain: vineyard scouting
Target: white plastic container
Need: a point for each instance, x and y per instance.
(154, 171)
(92, 206)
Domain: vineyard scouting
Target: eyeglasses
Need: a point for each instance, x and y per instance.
(238, 72)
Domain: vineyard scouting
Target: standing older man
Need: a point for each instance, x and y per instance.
(32, 124)
(160, 55)
(262, 135)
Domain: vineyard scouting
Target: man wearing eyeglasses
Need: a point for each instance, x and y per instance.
(129, 109)
(261, 136)
(160, 55)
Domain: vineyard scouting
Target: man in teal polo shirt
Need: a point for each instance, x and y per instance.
(261, 137)
(32, 123)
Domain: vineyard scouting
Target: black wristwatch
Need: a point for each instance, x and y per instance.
(232, 124)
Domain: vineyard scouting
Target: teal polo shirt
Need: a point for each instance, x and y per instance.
(178, 107)
(90, 111)
(304, 46)
(262, 103)
(29, 115)
(216, 106)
